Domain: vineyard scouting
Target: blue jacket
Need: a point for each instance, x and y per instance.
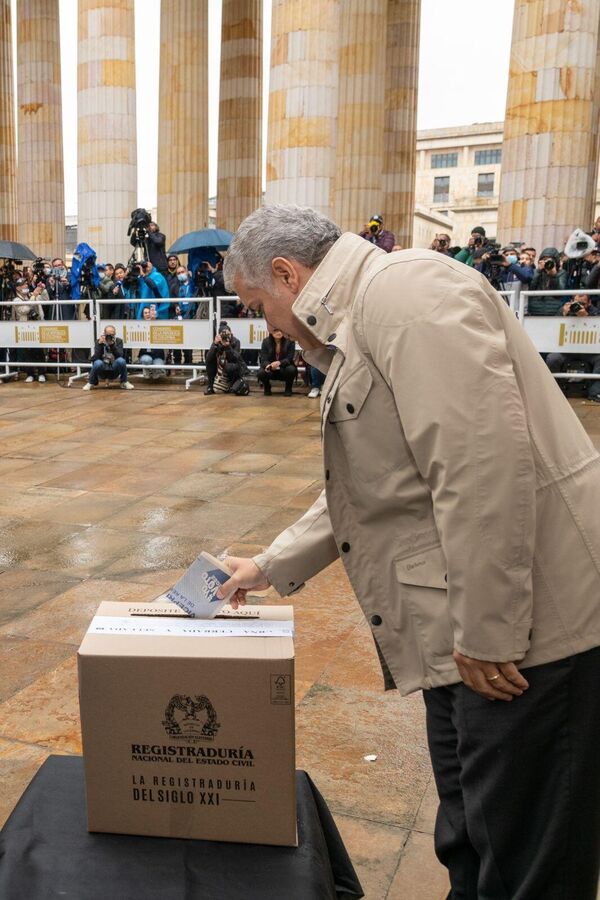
(524, 274)
(153, 287)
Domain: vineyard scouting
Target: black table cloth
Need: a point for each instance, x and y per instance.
(46, 852)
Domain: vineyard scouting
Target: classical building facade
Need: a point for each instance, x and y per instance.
(341, 122)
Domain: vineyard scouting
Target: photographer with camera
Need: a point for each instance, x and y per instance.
(516, 268)
(108, 360)
(59, 288)
(149, 284)
(376, 234)
(441, 244)
(277, 362)
(23, 310)
(157, 254)
(549, 276)
(225, 368)
(581, 307)
(152, 357)
(476, 247)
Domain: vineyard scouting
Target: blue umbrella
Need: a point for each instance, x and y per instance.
(213, 238)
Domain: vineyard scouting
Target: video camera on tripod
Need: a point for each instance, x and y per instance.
(137, 232)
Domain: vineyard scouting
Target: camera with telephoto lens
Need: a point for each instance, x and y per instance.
(496, 259)
(38, 266)
(549, 264)
(225, 335)
(477, 240)
(575, 308)
(33, 315)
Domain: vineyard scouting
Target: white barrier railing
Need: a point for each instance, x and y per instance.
(550, 334)
(249, 332)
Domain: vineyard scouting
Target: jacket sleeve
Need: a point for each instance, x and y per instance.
(464, 256)
(301, 551)
(523, 273)
(388, 239)
(118, 350)
(264, 356)
(290, 352)
(443, 354)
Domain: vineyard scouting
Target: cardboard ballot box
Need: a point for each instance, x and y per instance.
(188, 724)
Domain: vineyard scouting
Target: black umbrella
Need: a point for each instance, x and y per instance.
(14, 250)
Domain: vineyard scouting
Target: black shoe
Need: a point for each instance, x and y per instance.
(287, 392)
(209, 390)
(595, 398)
(267, 392)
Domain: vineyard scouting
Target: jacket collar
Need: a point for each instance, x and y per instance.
(327, 296)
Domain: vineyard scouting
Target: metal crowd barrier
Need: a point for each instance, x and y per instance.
(550, 334)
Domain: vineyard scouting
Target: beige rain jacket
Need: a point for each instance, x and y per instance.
(462, 493)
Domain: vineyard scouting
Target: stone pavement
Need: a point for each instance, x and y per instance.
(110, 495)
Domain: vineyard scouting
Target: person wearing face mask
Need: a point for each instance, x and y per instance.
(59, 288)
(183, 309)
(516, 268)
(23, 310)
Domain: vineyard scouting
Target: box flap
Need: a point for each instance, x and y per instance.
(162, 630)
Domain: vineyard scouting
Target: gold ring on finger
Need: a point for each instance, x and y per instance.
(492, 677)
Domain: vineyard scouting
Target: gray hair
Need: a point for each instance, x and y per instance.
(294, 232)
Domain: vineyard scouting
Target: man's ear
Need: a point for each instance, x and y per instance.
(285, 271)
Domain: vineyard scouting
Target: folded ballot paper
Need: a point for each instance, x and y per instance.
(196, 591)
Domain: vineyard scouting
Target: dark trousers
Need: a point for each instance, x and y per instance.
(32, 355)
(117, 369)
(286, 373)
(556, 363)
(187, 357)
(519, 785)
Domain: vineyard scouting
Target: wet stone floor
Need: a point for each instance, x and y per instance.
(110, 495)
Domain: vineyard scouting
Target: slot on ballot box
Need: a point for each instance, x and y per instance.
(188, 724)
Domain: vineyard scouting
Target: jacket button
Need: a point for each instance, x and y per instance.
(327, 475)
(376, 620)
(331, 337)
(345, 546)
(292, 584)
(312, 320)
(350, 408)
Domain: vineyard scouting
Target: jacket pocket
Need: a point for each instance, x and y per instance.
(365, 418)
(422, 581)
(351, 395)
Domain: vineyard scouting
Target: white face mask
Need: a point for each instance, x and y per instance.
(512, 259)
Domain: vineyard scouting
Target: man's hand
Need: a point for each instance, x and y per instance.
(494, 681)
(101, 339)
(246, 576)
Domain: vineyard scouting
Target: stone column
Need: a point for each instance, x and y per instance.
(400, 130)
(303, 103)
(183, 118)
(8, 165)
(359, 166)
(239, 182)
(40, 174)
(550, 149)
(107, 145)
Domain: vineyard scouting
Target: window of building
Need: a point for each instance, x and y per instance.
(488, 157)
(485, 184)
(441, 189)
(444, 160)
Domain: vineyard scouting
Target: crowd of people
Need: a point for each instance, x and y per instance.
(161, 286)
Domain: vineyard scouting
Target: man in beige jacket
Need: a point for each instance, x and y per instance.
(463, 497)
